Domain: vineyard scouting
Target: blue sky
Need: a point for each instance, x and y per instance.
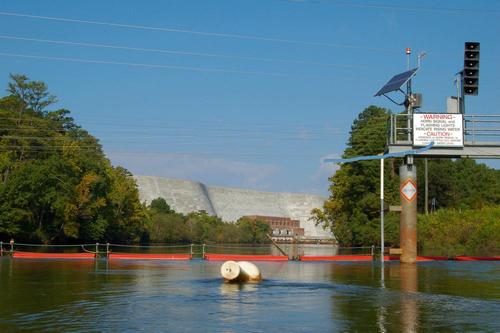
(247, 93)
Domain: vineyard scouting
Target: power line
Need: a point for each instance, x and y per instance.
(168, 154)
(180, 133)
(420, 8)
(175, 130)
(133, 64)
(173, 136)
(176, 52)
(194, 133)
(402, 7)
(36, 147)
(218, 126)
(222, 125)
(212, 154)
(193, 32)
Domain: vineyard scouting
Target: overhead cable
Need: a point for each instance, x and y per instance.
(177, 52)
(194, 32)
(133, 64)
(412, 8)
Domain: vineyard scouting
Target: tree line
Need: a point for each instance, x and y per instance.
(168, 226)
(57, 186)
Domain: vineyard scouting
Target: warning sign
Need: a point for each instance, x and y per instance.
(446, 130)
(409, 190)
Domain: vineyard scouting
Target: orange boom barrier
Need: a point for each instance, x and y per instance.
(468, 258)
(243, 257)
(361, 257)
(148, 256)
(431, 258)
(364, 257)
(35, 255)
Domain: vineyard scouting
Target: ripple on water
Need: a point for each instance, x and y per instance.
(294, 297)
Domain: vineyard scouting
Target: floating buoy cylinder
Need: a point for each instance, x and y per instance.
(241, 271)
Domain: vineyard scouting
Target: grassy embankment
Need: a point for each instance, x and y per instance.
(452, 232)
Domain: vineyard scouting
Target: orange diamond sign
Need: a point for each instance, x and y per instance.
(409, 190)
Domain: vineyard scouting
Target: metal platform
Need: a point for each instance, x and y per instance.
(481, 138)
(472, 151)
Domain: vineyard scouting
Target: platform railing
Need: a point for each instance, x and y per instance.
(400, 129)
(478, 129)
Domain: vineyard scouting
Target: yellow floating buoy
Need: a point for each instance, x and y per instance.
(241, 271)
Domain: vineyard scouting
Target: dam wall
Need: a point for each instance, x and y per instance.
(185, 196)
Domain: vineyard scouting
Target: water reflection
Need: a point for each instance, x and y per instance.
(231, 289)
(409, 306)
(294, 297)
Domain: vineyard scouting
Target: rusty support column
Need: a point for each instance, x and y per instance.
(408, 222)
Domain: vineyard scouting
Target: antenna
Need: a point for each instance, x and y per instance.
(421, 56)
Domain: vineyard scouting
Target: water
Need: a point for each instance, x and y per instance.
(154, 296)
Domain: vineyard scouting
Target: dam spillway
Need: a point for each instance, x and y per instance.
(185, 196)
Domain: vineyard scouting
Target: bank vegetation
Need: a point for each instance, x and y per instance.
(465, 197)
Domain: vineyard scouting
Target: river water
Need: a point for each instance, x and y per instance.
(155, 296)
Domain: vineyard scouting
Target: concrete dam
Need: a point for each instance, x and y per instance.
(185, 196)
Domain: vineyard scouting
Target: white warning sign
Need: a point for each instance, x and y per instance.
(446, 130)
(409, 190)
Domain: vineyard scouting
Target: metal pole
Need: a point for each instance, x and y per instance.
(426, 172)
(382, 243)
(408, 52)
(391, 135)
(96, 248)
(191, 250)
(408, 96)
(462, 95)
(1, 248)
(107, 250)
(473, 129)
(277, 246)
(203, 251)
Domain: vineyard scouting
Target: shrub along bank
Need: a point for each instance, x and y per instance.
(168, 226)
(452, 232)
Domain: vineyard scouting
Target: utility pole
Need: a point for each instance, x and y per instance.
(426, 175)
(382, 241)
(408, 95)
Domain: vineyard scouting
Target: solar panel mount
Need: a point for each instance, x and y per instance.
(396, 82)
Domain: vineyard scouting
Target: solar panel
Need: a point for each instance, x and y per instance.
(397, 81)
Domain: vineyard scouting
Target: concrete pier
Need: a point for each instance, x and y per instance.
(408, 222)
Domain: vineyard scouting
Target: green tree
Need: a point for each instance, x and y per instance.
(451, 232)
(165, 225)
(461, 184)
(353, 208)
(160, 205)
(33, 94)
(56, 185)
(253, 231)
